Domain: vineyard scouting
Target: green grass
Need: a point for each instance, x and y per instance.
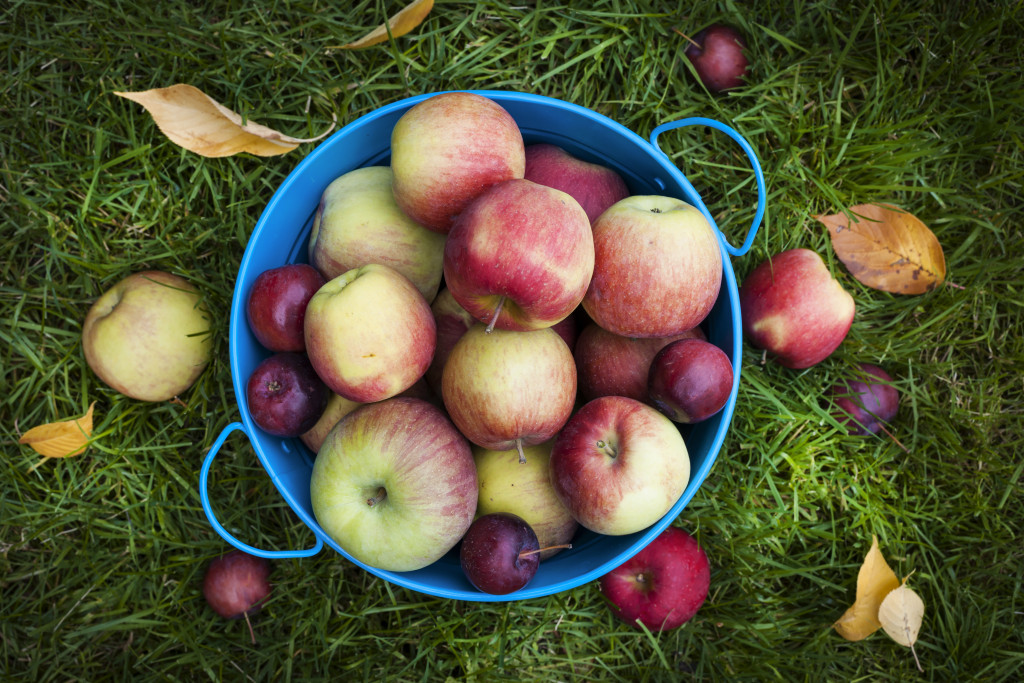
(101, 556)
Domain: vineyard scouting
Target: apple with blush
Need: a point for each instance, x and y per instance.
(594, 186)
(717, 55)
(690, 380)
(276, 305)
(337, 407)
(794, 309)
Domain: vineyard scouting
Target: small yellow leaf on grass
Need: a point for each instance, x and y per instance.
(901, 613)
(191, 118)
(61, 439)
(874, 581)
(404, 21)
(886, 248)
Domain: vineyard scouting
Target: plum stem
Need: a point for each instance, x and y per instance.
(527, 553)
(519, 448)
(252, 634)
(687, 38)
(497, 312)
(893, 437)
(381, 495)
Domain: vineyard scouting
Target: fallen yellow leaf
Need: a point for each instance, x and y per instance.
(61, 439)
(886, 248)
(901, 613)
(875, 580)
(194, 120)
(408, 18)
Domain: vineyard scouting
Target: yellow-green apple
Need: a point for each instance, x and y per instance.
(619, 465)
(794, 309)
(524, 489)
(690, 380)
(594, 186)
(448, 149)
(608, 364)
(663, 585)
(657, 269)
(276, 305)
(369, 333)
(337, 407)
(452, 321)
(394, 484)
(505, 389)
(358, 222)
(148, 336)
(520, 256)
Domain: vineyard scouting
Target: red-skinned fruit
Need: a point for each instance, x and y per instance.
(276, 306)
(499, 553)
(285, 396)
(236, 585)
(717, 56)
(690, 380)
(594, 186)
(663, 585)
(865, 401)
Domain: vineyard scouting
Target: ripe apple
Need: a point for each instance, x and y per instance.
(717, 56)
(394, 484)
(337, 407)
(657, 268)
(594, 186)
(568, 328)
(147, 336)
(369, 333)
(524, 489)
(499, 553)
(520, 256)
(794, 309)
(690, 380)
(619, 465)
(284, 395)
(452, 321)
(663, 585)
(448, 149)
(276, 305)
(236, 584)
(358, 222)
(865, 401)
(506, 389)
(608, 364)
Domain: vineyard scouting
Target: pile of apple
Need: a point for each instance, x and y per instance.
(492, 343)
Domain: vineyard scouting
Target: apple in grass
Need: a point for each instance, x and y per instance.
(394, 484)
(448, 149)
(520, 256)
(657, 267)
(505, 389)
(358, 222)
(370, 334)
(619, 465)
(690, 380)
(147, 336)
(794, 309)
(276, 305)
(609, 364)
(594, 186)
(662, 586)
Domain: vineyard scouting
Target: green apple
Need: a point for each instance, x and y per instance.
(358, 222)
(148, 336)
(394, 484)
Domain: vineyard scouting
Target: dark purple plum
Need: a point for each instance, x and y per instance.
(276, 307)
(236, 585)
(285, 395)
(718, 58)
(499, 553)
(866, 401)
(689, 380)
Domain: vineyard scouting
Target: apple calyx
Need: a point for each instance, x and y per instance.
(527, 553)
(379, 498)
(273, 385)
(494, 320)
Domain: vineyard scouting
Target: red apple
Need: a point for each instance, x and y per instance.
(663, 585)
(568, 328)
(717, 56)
(284, 395)
(865, 402)
(520, 256)
(506, 389)
(608, 364)
(619, 465)
(690, 380)
(452, 321)
(236, 585)
(448, 149)
(276, 306)
(657, 267)
(594, 186)
(794, 309)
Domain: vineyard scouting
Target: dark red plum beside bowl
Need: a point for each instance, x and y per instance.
(276, 307)
(499, 553)
(866, 401)
(236, 584)
(285, 395)
(718, 57)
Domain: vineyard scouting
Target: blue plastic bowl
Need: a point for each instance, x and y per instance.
(282, 234)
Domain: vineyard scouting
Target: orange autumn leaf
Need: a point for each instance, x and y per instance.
(194, 120)
(886, 248)
(404, 21)
(61, 439)
(875, 580)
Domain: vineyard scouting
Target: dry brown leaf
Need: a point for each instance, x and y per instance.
(191, 118)
(875, 580)
(408, 18)
(901, 613)
(886, 248)
(61, 439)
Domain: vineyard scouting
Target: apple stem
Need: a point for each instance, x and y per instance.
(497, 312)
(522, 454)
(527, 553)
(381, 495)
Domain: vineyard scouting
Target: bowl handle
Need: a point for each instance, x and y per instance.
(204, 496)
(758, 175)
